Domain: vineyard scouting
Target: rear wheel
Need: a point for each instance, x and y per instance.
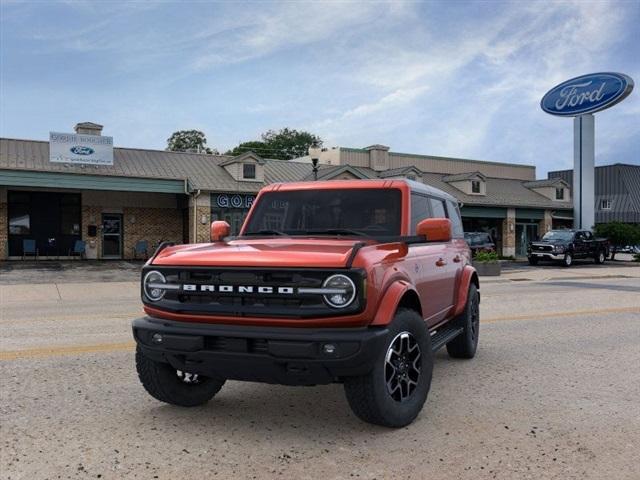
(466, 344)
(395, 390)
(165, 383)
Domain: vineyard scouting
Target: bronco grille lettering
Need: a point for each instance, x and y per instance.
(189, 287)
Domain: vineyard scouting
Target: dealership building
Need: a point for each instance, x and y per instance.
(113, 199)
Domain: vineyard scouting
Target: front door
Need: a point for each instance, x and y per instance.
(111, 235)
(525, 233)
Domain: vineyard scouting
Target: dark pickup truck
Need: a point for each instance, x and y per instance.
(566, 245)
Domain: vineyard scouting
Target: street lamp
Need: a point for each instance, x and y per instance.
(314, 153)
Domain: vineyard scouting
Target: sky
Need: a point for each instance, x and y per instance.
(451, 78)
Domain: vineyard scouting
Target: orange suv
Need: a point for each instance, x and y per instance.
(357, 282)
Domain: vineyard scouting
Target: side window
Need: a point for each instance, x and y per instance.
(419, 210)
(456, 221)
(437, 207)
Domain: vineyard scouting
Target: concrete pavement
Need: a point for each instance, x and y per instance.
(552, 393)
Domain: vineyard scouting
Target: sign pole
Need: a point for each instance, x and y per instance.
(583, 171)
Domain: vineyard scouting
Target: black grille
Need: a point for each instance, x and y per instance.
(253, 304)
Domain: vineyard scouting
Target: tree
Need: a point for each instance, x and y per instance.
(619, 234)
(188, 141)
(257, 147)
(284, 144)
(287, 144)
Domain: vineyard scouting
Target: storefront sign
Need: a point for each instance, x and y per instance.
(234, 201)
(587, 94)
(80, 149)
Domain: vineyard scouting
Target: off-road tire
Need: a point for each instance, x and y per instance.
(532, 260)
(368, 395)
(162, 382)
(567, 261)
(466, 344)
(600, 257)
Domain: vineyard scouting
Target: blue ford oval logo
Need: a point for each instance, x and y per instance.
(79, 150)
(587, 94)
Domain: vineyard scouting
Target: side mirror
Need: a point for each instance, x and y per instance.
(219, 230)
(435, 229)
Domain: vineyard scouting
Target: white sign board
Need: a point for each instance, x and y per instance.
(77, 149)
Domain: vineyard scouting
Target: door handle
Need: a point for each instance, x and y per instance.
(457, 259)
(441, 262)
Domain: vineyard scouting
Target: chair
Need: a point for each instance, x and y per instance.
(142, 246)
(29, 248)
(79, 248)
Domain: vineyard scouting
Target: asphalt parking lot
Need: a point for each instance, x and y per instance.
(552, 393)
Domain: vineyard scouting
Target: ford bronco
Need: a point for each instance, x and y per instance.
(350, 281)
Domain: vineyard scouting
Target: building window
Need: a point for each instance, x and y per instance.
(605, 204)
(248, 170)
(475, 186)
(559, 193)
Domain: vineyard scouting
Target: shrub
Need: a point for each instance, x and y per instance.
(486, 257)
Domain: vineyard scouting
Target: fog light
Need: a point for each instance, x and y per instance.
(329, 348)
(157, 338)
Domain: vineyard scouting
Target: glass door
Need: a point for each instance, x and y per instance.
(111, 235)
(525, 233)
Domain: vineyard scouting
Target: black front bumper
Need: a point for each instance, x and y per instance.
(289, 356)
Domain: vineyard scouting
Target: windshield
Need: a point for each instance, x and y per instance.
(357, 212)
(558, 235)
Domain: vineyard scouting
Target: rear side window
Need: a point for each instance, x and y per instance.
(419, 210)
(456, 221)
(437, 207)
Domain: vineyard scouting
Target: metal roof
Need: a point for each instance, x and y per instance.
(205, 172)
(463, 176)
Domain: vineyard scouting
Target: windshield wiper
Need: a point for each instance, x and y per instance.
(267, 232)
(336, 231)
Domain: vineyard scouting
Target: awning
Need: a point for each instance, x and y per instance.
(30, 178)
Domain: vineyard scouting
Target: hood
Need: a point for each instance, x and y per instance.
(271, 252)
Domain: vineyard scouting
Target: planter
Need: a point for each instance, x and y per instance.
(487, 269)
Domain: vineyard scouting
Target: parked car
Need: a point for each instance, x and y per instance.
(479, 242)
(566, 245)
(352, 282)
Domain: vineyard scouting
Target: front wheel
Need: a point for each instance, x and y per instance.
(533, 260)
(394, 391)
(567, 261)
(600, 257)
(165, 383)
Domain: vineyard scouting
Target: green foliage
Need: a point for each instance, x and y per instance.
(259, 148)
(507, 257)
(284, 144)
(619, 234)
(484, 257)
(188, 141)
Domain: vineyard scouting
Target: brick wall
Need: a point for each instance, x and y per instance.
(152, 225)
(509, 233)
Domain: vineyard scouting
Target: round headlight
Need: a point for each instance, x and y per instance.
(340, 291)
(560, 248)
(151, 285)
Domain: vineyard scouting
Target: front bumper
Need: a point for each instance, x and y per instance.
(289, 356)
(546, 255)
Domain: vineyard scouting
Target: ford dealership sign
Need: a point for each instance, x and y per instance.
(587, 94)
(80, 149)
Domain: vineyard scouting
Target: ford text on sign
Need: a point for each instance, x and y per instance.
(587, 94)
(86, 149)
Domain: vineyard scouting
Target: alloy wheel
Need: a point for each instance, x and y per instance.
(402, 366)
